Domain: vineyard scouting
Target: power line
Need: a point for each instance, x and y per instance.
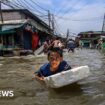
(57, 28)
(8, 5)
(30, 6)
(68, 19)
(65, 5)
(20, 4)
(74, 4)
(15, 4)
(23, 5)
(39, 5)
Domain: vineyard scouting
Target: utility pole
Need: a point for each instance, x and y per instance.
(49, 21)
(53, 25)
(67, 34)
(1, 13)
(103, 27)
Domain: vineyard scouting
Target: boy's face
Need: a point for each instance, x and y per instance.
(54, 59)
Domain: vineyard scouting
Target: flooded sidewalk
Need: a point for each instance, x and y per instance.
(16, 74)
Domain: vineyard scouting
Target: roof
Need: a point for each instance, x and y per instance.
(30, 14)
(91, 32)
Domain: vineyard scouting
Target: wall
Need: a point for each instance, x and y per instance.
(11, 16)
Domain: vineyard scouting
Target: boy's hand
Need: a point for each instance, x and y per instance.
(39, 78)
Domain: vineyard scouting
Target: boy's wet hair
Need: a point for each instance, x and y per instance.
(58, 50)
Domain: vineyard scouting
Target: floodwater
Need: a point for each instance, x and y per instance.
(16, 74)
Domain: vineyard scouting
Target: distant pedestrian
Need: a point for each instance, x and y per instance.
(81, 44)
(1, 48)
(71, 45)
(46, 46)
(57, 43)
(99, 45)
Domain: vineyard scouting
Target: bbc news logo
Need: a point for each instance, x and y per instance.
(6, 93)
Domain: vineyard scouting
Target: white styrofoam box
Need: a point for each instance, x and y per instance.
(67, 77)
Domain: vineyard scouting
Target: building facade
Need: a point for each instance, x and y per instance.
(90, 39)
(22, 30)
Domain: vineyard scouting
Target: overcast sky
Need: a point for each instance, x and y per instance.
(75, 15)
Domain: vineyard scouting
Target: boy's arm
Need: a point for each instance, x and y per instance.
(39, 75)
(67, 67)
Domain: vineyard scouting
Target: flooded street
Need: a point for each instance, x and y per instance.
(16, 74)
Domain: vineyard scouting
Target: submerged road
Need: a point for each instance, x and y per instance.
(16, 74)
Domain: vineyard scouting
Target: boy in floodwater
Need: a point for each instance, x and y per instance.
(55, 65)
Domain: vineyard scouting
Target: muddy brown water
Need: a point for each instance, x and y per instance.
(16, 74)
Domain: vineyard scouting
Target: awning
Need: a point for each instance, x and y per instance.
(85, 41)
(7, 32)
(103, 37)
(8, 29)
(14, 22)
